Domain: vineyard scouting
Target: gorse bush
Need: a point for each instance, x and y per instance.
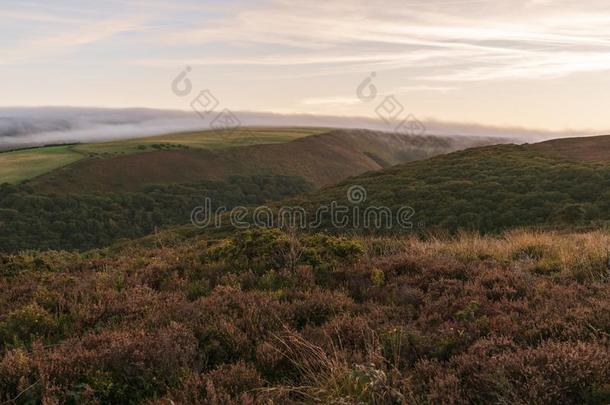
(264, 249)
(269, 316)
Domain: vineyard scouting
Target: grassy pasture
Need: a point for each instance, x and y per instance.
(200, 139)
(20, 165)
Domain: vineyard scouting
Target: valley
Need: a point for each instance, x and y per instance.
(111, 292)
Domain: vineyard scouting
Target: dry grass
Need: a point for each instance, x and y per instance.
(579, 255)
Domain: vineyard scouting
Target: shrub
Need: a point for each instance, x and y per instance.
(457, 320)
(29, 323)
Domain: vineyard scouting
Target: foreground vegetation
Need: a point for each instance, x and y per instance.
(274, 316)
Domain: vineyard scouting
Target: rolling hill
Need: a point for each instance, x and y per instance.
(593, 148)
(20, 165)
(119, 193)
(321, 159)
(563, 182)
(486, 189)
(17, 166)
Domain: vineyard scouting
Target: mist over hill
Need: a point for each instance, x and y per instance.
(36, 126)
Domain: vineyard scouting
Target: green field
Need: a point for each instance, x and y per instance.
(17, 166)
(25, 164)
(200, 139)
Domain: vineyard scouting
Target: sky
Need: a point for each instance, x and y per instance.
(541, 64)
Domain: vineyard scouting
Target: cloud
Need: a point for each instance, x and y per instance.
(336, 100)
(273, 54)
(462, 40)
(22, 127)
(435, 40)
(30, 15)
(442, 89)
(54, 34)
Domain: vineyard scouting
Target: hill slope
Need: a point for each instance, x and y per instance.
(19, 165)
(322, 159)
(96, 201)
(593, 148)
(490, 188)
(265, 317)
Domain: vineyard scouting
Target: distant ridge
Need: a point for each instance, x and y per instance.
(585, 148)
(319, 159)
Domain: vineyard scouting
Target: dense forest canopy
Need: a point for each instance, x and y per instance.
(32, 220)
(487, 190)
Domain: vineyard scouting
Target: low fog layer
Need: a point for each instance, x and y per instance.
(23, 127)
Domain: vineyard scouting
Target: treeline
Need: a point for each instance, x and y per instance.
(32, 220)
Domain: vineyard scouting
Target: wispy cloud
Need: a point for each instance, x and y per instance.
(29, 15)
(462, 40)
(54, 33)
(333, 101)
(471, 40)
(442, 89)
(452, 56)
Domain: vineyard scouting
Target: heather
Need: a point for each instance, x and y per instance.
(268, 316)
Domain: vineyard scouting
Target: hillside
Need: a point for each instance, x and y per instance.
(322, 159)
(113, 195)
(594, 148)
(488, 189)
(33, 220)
(19, 165)
(267, 316)
(292, 202)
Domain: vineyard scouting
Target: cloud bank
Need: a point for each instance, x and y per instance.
(25, 127)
